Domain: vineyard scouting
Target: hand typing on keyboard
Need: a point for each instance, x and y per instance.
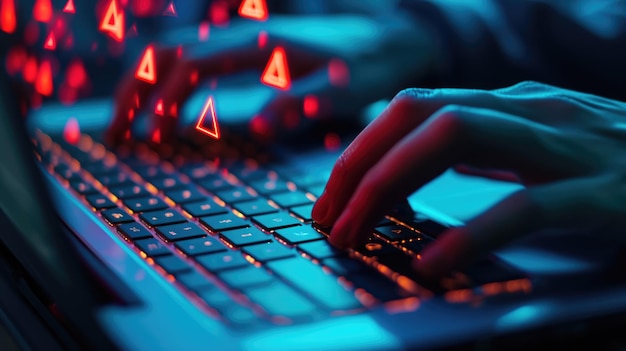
(566, 147)
(328, 67)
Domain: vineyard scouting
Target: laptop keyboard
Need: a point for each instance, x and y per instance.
(238, 239)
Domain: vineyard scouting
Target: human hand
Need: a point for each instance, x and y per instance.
(344, 62)
(567, 147)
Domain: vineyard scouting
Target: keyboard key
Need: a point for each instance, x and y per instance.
(172, 264)
(304, 212)
(115, 179)
(194, 281)
(299, 234)
(143, 204)
(129, 191)
(345, 265)
(376, 247)
(290, 199)
(207, 207)
(163, 217)
(246, 277)
(199, 171)
(269, 186)
(378, 285)
(255, 207)
(214, 183)
(99, 201)
(268, 251)
(150, 172)
(82, 187)
(317, 190)
(167, 182)
(221, 261)
(321, 249)
(234, 195)
(224, 221)
(417, 245)
(152, 247)
(237, 314)
(66, 172)
(100, 168)
(180, 231)
(278, 299)
(245, 236)
(396, 233)
(134, 231)
(216, 298)
(308, 277)
(428, 227)
(248, 173)
(116, 216)
(200, 246)
(185, 194)
(275, 220)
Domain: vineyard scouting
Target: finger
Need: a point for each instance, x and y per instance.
(561, 205)
(488, 173)
(454, 134)
(132, 94)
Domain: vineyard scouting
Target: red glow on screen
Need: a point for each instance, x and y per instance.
(170, 10)
(71, 132)
(76, 74)
(43, 83)
(310, 106)
(203, 31)
(8, 20)
(69, 7)
(145, 70)
(29, 73)
(332, 142)
(212, 130)
(276, 72)
(113, 22)
(131, 115)
(253, 9)
(51, 42)
(262, 39)
(218, 13)
(338, 73)
(16, 57)
(42, 12)
(156, 136)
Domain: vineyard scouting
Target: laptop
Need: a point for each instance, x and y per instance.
(213, 247)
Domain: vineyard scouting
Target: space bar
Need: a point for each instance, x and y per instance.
(310, 278)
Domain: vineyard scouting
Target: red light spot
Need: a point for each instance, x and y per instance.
(8, 20)
(253, 9)
(276, 72)
(310, 106)
(43, 83)
(203, 31)
(71, 132)
(262, 39)
(76, 75)
(260, 126)
(158, 110)
(131, 115)
(212, 130)
(42, 11)
(146, 70)
(147, 8)
(179, 51)
(218, 13)
(338, 73)
(170, 10)
(332, 142)
(127, 135)
(156, 136)
(69, 7)
(193, 78)
(173, 110)
(16, 57)
(29, 72)
(51, 42)
(113, 22)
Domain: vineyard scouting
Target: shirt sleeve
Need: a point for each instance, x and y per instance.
(578, 44)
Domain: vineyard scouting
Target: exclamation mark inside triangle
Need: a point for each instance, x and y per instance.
(145, 70)
(209, 128)
(69, 7)
(253, 9)
(276, 73)
(113, 22)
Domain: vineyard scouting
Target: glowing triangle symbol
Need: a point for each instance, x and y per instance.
(51, 42)
(254, 9)
(146, 71)
(213, 130)
(170, 10)
(113, 22)
(69, 7)
(276, 72)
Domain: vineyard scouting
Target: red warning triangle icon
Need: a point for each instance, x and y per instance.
(170, 10)
(254, 9)
(211, 129)
(145, 70)
(113, 22)
(276, 72)
(69, 7)
(51, 42)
